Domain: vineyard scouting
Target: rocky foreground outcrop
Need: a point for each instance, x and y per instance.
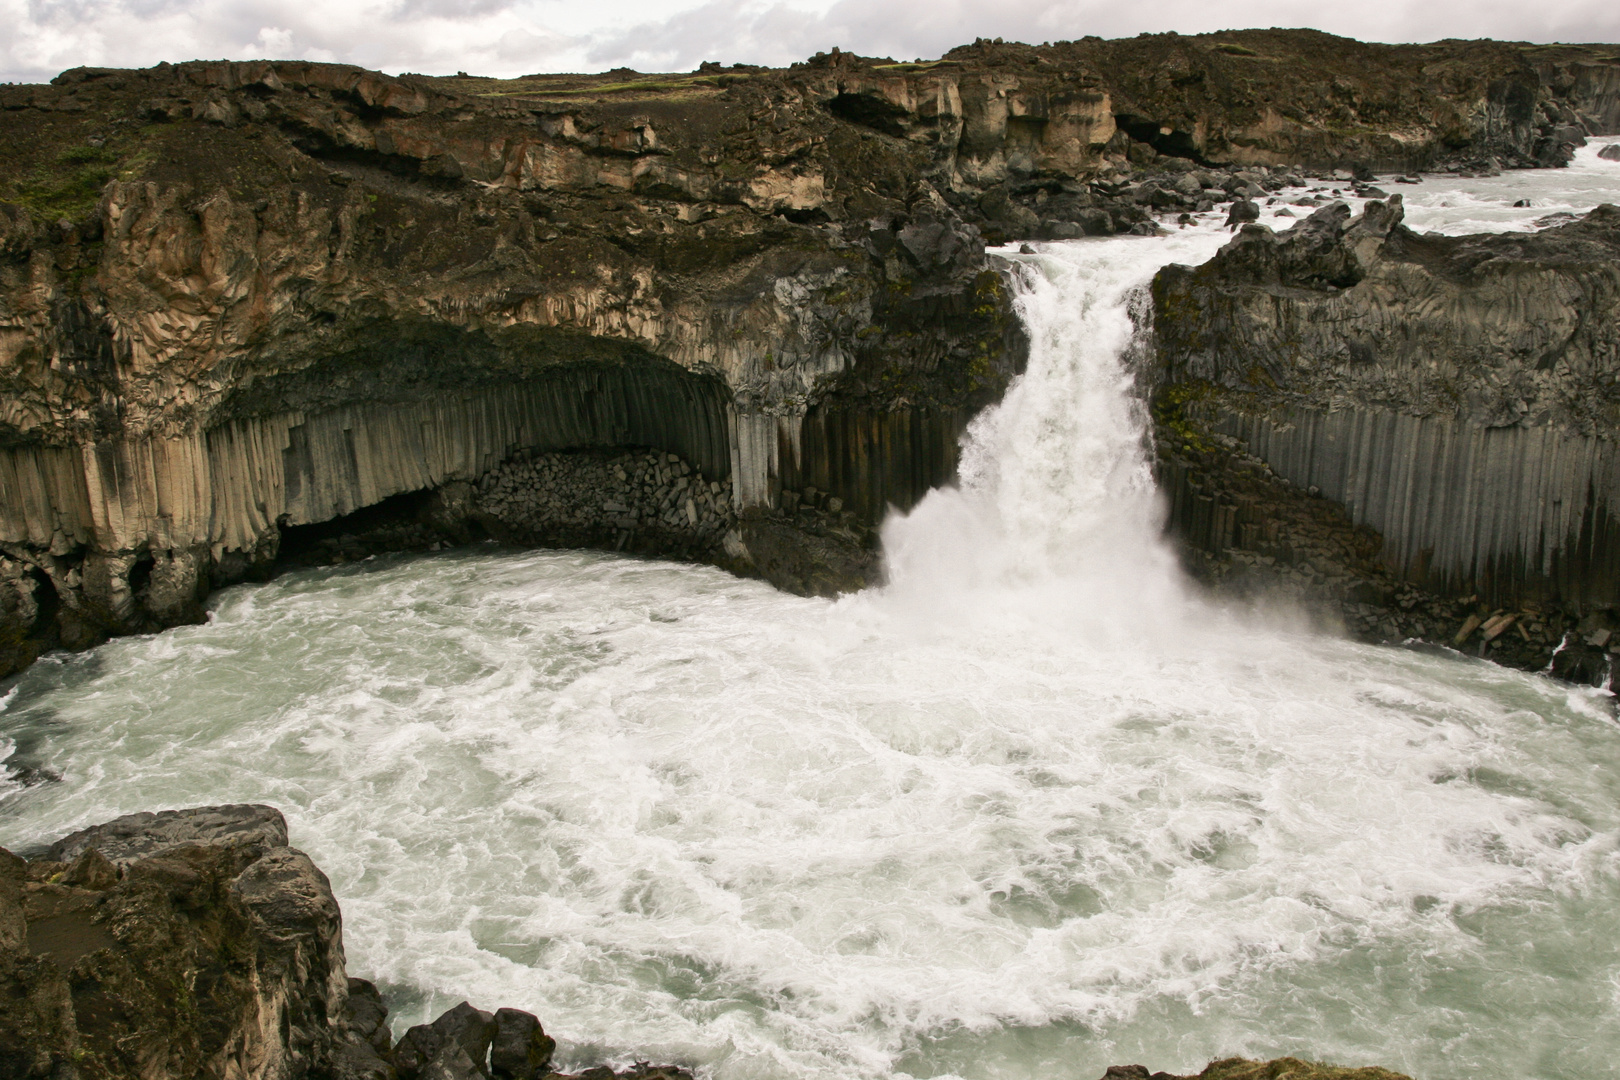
(196, 945)
(1419, 428)
(1243, 1069)
(240, 300)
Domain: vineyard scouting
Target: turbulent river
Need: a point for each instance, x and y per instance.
(1031, 809)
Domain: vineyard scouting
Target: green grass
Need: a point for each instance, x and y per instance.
(69, 187)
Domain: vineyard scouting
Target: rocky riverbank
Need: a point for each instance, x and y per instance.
(197, 945)
(647, 503)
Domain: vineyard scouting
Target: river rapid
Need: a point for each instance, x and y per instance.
(1031, 809)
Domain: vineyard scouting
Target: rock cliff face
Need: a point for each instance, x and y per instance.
(1456, 395)
(242, 299)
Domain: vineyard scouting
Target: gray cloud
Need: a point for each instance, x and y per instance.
(905, 29)
(510, 37)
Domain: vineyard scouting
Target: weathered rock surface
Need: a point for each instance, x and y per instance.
(1243, 1069)
(285, 293)
(1456, 396)
(135, 836)
(202, 947)
(637, 502)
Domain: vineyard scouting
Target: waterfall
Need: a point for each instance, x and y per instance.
(1056, 511)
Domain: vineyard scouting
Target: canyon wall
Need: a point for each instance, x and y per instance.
(238, 300)
(242, 299)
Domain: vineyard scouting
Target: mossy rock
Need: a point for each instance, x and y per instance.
(1290, 1068)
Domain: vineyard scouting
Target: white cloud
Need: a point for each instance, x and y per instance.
(46, 36)
(510, 37)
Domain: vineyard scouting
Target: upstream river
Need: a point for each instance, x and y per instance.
(1031, 809)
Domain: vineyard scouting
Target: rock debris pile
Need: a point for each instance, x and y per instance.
(582, 497)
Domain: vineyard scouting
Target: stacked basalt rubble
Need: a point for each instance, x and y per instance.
(586, 499)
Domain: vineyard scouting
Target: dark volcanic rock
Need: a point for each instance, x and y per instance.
(135, 836)
(463, 1032)
(1243, 210)
(821, 561)
(1500, 329)
(521, 1049)
(1454, 395)
(217, 951)
(206, 949)
(1244, 1069)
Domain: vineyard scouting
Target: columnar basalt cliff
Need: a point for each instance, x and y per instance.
(1456, 396)
(238, 299)
(303, 290)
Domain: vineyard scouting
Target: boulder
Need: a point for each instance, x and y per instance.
(209, 900)
(521, 1049)
(462, 1028)
(942, 246)
(1243, 211)
(452, 1063)
(367, 1016)
(1243, 1069)
(1610, 152)
(135, 836)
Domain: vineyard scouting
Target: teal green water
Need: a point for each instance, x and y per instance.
(684, 816)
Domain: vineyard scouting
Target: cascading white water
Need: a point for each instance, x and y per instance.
(1056, 506)
(1029, 811)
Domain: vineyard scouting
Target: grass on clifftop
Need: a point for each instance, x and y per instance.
(71, 188)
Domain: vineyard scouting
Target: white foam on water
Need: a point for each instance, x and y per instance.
(1030, 810)
(1486, 204)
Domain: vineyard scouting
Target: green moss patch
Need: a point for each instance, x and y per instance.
(69, 186)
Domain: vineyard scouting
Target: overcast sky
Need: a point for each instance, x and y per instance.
(39, 38)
